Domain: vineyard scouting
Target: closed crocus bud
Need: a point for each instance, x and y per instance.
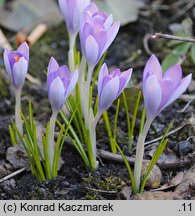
(16, 64)
(60, 84)
(72, 11)
(97, 32)
(110, 86)
(160, 89)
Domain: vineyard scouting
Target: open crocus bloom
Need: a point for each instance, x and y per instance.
(16, 64)
(160, 89)
(60, 84)
(72, 11)
(97, 32)
(110, 86)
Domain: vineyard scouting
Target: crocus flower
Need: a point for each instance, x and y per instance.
(97, 32)
(111, 85)
(60, 84)
(16, 64)
(72, 11)
(160, 89)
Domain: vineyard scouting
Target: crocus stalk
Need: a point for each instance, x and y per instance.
(159, 90)
(60, 85)
(16, 64)
(72, 11)
(110, 86)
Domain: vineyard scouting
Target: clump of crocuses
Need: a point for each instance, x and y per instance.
(73, 87)
(16, 64)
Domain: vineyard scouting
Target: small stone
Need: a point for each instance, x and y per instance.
(154, 178)
(184, 148)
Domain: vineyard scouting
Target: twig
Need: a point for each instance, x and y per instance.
(187, 161)
(12, 175)
(101, 191)
(168, 134)
(189, 5)
(172, 37)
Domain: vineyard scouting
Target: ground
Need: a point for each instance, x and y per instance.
(110, 180)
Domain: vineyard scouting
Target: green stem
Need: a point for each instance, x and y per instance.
(71, 60)
(140, 153)
(18, 119)
(51, 145)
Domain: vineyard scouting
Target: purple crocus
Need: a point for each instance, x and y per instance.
(97, 32)
(72, 11)
(160, 89)
(110, 86)
(16, 64)
(60, 84)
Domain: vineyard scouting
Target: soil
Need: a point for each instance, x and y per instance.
(111, 179)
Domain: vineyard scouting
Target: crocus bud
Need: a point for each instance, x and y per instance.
(72, 11)
(16, 64)
(60, 84)
(110, 86)
(160, 89)
(97, 32)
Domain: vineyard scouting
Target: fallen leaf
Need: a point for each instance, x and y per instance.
(172, 183)
(125, 12)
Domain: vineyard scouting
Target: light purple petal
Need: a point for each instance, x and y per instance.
(53, 66)
(108, 94)
(124, 79)
(152, 67)
(7, 64)
(24, 49)
(92, 8)
(108, 22)
(111, 34)
(56, 94)
(152, 96)
(167, 90)
(72, 84)
(102, 73)
(19, 72)
(91, 48)
(174, 73)
(180, 89)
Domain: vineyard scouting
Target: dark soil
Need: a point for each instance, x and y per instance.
(111, 180)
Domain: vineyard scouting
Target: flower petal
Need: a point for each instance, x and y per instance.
(72, 84)
(180, 89)
(7, 64)
(152, 67)
(109, 94)
(111, 34)
(174, 73)
(124, 79)
(108, 22)
(56, 94)
(19, 72)
(24, 49)
(91, 48)
(152, 95)
(103, 72)
(53, 66)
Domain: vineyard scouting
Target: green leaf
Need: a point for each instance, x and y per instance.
(182, 49)
(156, 156)
(193, 53)
(128, 168)
(169, 60)
(131, 95)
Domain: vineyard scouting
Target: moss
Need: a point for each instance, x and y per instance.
(99, 188)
